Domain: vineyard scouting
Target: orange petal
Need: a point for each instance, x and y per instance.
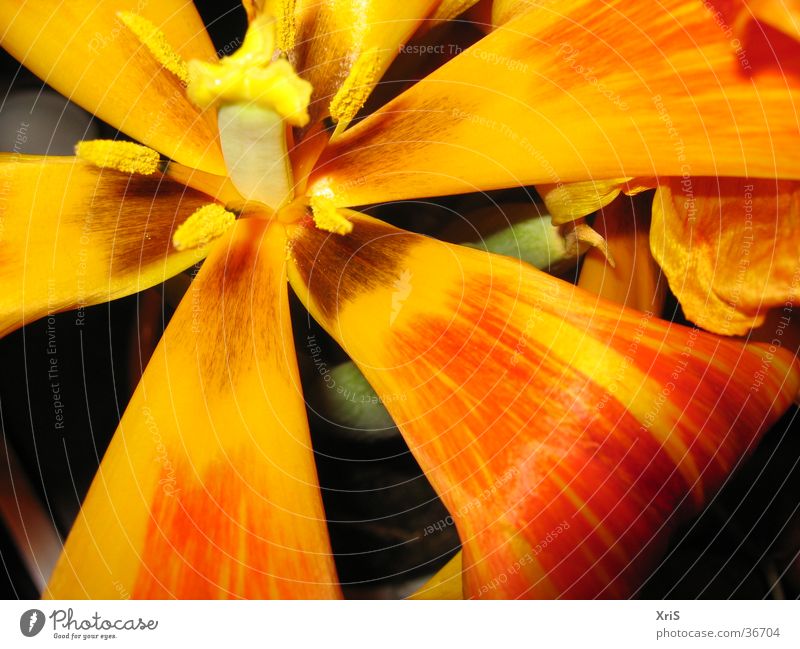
(783, 15)
(85, 51)
(332, 34)
(635, 280)
(74, 235)
(580, 91)
(209, 487)
(566, 435)
(728, 248)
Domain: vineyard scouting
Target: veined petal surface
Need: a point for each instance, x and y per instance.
(74, 235)
(566, 435)
(85, 51)
(209, 487)
(581, 90)
(729, 248)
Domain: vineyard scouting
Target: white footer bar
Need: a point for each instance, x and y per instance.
(399, 624)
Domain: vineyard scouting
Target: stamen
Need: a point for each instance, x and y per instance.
(122, 156)
(251, 76)
(155, 41)
(206, 224)
(287, 26)
(327, 216)
(351, 96)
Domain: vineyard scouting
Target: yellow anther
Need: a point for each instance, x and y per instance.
(287, 26)
(202, 227)
(122, 156)
(327, 217)
(284, 12)
(352, 94)
(155, 41)
(251, 76)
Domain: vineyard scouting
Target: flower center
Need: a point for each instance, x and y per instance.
(258, 98)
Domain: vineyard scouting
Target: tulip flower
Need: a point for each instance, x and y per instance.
(567, 435)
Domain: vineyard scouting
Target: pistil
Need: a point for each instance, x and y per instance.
(257, 98)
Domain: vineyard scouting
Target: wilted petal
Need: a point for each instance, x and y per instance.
(567, 436)
(729, 248)
(209, 486)
(570, 201)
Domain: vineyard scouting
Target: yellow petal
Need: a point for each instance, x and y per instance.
(505, 10)
(73, 235)
(218, 187)
(570, 201)
(567, 436)
(86, 52)
(209, 488)
(579, 91)
(333, 34)
(728, 247)
(635, 280)
(783, 15)
(445, 584)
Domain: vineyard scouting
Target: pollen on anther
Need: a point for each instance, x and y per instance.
(155, 41)
(353, 93)
(287, 26)
(203, 226)
(123, 156)
(327, 217)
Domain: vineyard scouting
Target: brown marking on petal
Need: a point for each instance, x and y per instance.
(331, 35)
(338, 268)
(76, 235)
(229, 287)
(148, 211)
(209, 488)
